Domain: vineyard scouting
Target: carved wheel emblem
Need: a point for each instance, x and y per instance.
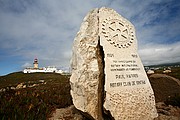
(117, 33)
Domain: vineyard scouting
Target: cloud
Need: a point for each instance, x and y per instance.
(153, 54)
(25, 65)
(46, 29)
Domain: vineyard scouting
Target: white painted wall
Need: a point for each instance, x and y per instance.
(49, 69)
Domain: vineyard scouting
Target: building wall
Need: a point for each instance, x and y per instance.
(44, 70)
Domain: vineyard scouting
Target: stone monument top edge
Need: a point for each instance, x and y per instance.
(116, 29)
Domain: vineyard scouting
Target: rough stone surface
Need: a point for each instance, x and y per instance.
(86, 68)
(105, 60)
(166, 112)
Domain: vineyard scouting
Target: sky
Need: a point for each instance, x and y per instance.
(45, 29)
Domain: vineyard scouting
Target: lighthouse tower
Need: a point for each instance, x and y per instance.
(35, 63)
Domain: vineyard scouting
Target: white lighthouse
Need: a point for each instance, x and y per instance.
(49, 69)
(35, 63)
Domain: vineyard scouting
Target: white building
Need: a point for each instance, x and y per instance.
(49, 69)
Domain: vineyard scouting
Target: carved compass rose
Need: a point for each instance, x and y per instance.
(117, 33)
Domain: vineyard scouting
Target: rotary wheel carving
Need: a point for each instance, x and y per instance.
(117, 33)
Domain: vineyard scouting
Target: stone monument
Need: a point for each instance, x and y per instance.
(87, 71)
(107, 73)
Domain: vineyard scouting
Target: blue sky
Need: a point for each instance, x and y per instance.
(46, 29)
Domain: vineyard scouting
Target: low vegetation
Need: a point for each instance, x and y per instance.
(175, 72)
(164, 86)
(42, 93)
(174, 100)
(33, 103)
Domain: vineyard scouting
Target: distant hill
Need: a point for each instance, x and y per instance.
(19, 77)
(165, 64)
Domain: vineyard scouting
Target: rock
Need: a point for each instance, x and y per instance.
(13, 88)
(24, 86)
(87, 70)
(160, 105)
(69, 113)
(105, 46)
(33, 85)
(19, 86)
(41, 81)
(164, 117)
(167, 112)
(129, 95)
(2, 90)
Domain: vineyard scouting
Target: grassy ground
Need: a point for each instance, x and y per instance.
(33, 103)
(37, 103)
(175, 72)
(165, 88)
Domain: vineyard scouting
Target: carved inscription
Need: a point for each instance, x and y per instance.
(117, 33)
(124, 65)
(124, 73)
(129, 95)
